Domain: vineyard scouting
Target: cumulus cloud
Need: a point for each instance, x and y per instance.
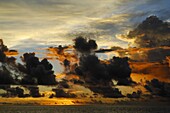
(135, 94)
(40, 70)
(95, 72)
(149, 40)
(6, 78)
(18, 91)
(152, 32)
(33, 72)
(92, 71)
(107, 91)
(34, 91)
(159, 88)
(83, 45)
(98, 75)
(156, 54)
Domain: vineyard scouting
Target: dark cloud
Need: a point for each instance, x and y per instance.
(13, 91)
(157, 54)
(3, 51)
(84, 46)
(97, 73)
(66, 65)
(64, 84)
(94, 71)
(75, 81)
(91, 69)
(28, 80)
(135, 94)
(11, 60)
(34, 91)
(3, 48)
(19, 91)
(2, 56)
(107, 91)
(5, 77)
(152, 32)
(60, 49)
(33, 71)
(151, 39)
(61, 93)
(120, 70)
(40, 70)
(4, 87)
(156, 87)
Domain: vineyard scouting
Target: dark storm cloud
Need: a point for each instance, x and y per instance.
(19, 92)
(2, 56)
(152, 32)
(158, 54)
(83, 45)
(15, 92)
(5, 75)
(40, 70)
(107, 92)
(135, 94)
(6, 78)
(33, 72)
(94, 71)
(156, 87)
(95, 74)
(34, 91)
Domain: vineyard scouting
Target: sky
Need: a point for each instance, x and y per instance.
(28, 24)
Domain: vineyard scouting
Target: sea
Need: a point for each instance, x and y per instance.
(84, 109)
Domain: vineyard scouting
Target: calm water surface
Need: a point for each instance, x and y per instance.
(83, 109)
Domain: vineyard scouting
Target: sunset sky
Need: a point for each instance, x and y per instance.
(40, 23)
(93, 51)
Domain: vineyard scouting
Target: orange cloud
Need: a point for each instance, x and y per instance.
(13, 53)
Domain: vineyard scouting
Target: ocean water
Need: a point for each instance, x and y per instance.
(84, 109)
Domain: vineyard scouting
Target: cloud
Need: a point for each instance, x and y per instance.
(83, 45)
(23, 19)
(97, 74)
(156, 87)
(41, 71)
(33, 71)
(61, 93)
(152, 32)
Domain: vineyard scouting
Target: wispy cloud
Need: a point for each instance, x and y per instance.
(55, 20)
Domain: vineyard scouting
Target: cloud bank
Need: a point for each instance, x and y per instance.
(50, 21)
